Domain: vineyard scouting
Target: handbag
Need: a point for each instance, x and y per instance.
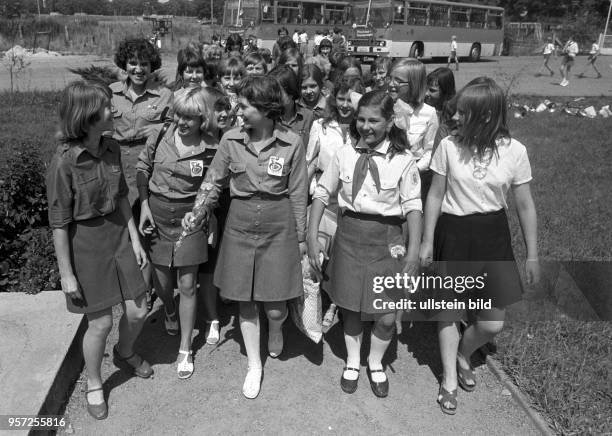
(306, 311)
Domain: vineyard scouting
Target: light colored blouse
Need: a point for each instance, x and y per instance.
(479, 185)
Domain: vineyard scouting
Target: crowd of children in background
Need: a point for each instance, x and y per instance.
(569, 51)
(229, 162)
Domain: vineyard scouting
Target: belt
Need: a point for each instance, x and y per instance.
(373, 217)
(263, 196)
(133, 142)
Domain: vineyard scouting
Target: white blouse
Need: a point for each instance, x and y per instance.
(479, 185)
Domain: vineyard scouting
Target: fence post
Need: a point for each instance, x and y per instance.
(66, 35)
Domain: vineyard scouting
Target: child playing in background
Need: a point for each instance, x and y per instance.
(591, 60)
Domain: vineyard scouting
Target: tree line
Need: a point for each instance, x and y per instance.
(516, 10)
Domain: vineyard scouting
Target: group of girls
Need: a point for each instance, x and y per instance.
(234, 163)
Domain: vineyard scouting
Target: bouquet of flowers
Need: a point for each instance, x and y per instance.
(199, 209)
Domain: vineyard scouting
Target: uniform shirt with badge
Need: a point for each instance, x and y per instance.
(324, 142)
(170, 174)
(132, 116)
(83, 183)
(400, 183)
(479, 184)
(279, 168)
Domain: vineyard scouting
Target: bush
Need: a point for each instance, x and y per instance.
(39, 270)
(23, 210)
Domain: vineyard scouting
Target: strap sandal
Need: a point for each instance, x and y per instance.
(445, 398)
(97, 411)
(349, 386)
(464, 376)
(185, 364)
(213, 332)
(380, 389)
(127, 364)
(171, 323)
(252, 383)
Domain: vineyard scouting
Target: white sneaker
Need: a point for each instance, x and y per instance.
(252, 383)
(213, 332)
(564, 83)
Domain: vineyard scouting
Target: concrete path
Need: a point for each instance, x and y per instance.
(514, 73)
(300, 391)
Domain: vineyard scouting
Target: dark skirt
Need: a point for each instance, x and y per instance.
(168, 215)
(477, 246)
(259, 258)
(104, 263)
(360, 257)
(213, 252)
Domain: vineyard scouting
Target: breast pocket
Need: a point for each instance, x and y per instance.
(88, 190)
(238, 176)
(389, 189)
(153, 115)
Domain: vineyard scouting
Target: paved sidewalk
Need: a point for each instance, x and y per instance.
(300, 391)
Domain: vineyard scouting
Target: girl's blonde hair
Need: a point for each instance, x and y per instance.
(417, 80)
(192, 102)
(79, 108)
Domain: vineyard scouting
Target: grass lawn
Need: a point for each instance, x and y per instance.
(562, 364)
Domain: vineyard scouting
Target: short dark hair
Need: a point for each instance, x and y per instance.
(137, 48)
(232, 40)
(188, 57)
(264, 93)
(287, 79)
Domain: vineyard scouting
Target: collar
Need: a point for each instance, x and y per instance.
(381, 148)
(79, 148)
(321, 104)
(280, 132)
(151, 87)
(201, 148)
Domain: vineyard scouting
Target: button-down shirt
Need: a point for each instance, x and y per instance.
(84, 183)
(319, 110)
(170, 174)
(131, 118)
(422, 128)
(324, 142)
(474, 186)
(400, 184)
(300, 123)
(278, 169)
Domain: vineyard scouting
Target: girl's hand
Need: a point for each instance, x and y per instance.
(411, 267)
(70, 287)
(303, 249)
(141, 254)
(532, 271)
(146, 226)
(426, 254)
(316, 251)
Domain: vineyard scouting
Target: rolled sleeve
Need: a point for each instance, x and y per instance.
(410, 190)
(59, 192)
(329, 181)
(146, 156)
(522, 173)
(298, 190)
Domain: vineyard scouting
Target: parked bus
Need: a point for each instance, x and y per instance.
(263, 18)
(423, 29)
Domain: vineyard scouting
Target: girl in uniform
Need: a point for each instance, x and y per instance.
(170, 173)
(440, 90)
(190, 71)
(327, 136)
(311, 96)
(378, 186)
(259, 259)
(98, 251)
(466, 226)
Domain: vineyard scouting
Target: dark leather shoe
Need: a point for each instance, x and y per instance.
(380, 389)
(141, 369)
(349, 386)
(97, 411)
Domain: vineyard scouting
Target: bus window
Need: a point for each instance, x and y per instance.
(267, 11)
(459, 16)
(494, 19)
(380, 14)
(250, 12)
(418, 13)
(334, 14)
(312, 13)
(478, 18)
(438, 15)
(359, 13)
(289, 12)
(399, 15)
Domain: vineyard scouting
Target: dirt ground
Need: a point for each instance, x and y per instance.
(516, 73)
(300, 392)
